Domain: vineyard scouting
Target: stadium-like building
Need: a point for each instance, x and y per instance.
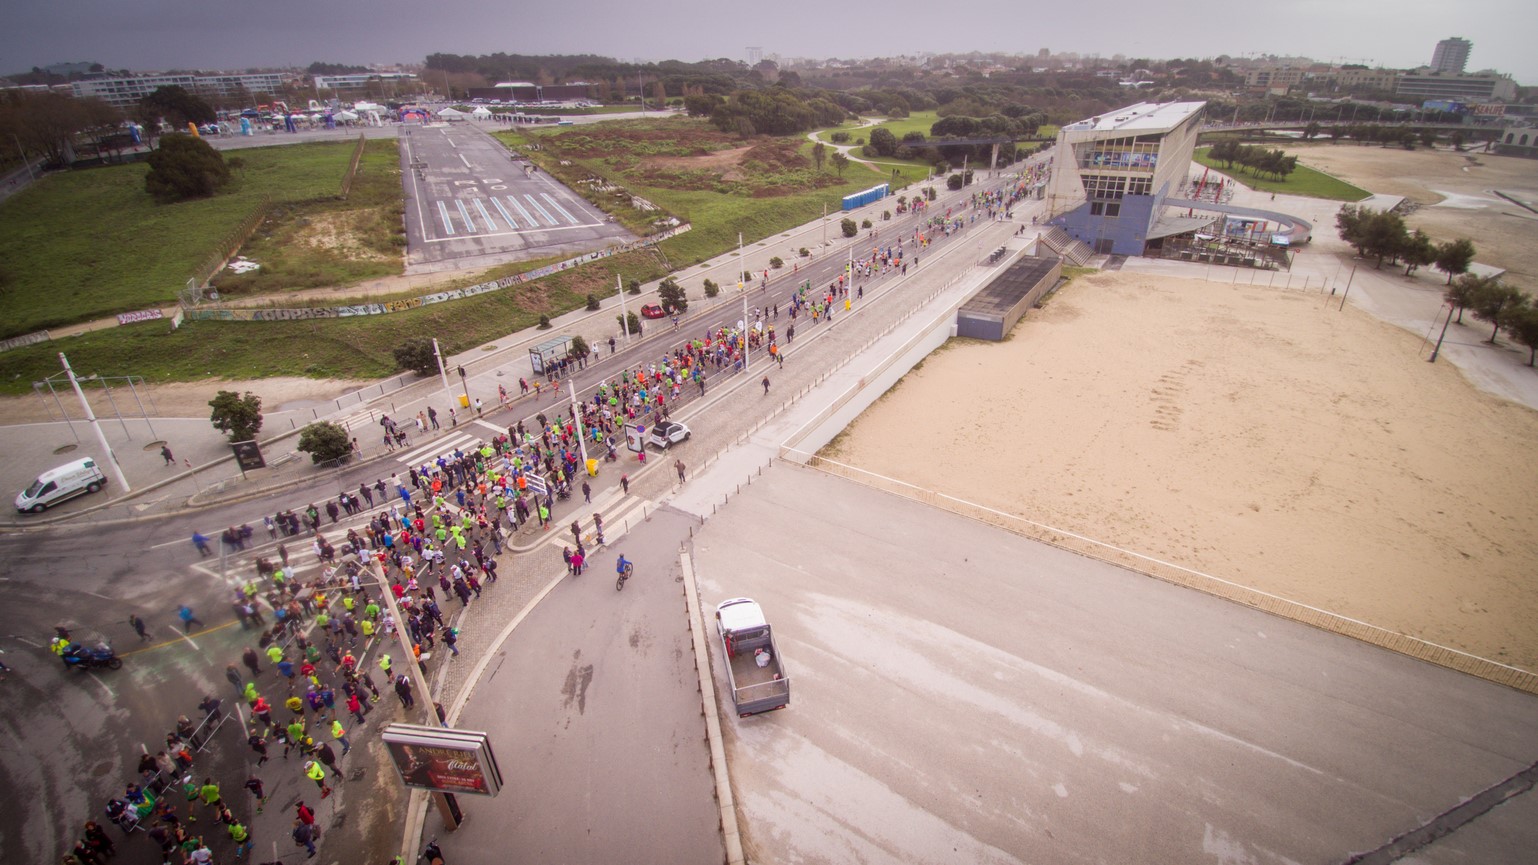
(1113, 173)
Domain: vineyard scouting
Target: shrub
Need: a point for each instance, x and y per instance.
(929, 193)
(184, 167)
(885, 215)
(672, 295)
(592, 302)
(865, 223)
(776, 262)
(633, 286)
(711, 289)
(629, 323)
(849, 227)
(325, 441)
(579, 347)
(544, 322)
(839, 138)
(804, 252)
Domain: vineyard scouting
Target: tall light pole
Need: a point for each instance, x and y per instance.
(443, 374)
(576, 417)
(624, 315)
(101, 437)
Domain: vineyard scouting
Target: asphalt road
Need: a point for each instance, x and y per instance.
(609, 761)
(81, 735)
(470, 203)
(961, 694)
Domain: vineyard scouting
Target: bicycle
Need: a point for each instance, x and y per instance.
(625, 569)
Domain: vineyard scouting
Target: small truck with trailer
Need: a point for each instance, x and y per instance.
(753, 666)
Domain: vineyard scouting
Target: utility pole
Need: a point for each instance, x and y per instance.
(576, 417)
(1438, 349)
(101, 437)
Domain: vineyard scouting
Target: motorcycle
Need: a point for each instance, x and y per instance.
(78, 657)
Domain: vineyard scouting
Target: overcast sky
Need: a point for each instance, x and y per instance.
(223, 34)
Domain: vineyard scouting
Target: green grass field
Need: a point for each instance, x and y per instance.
(1302, 181)
(768, 203)
(90, 243)
(327, 241)
(327, 348)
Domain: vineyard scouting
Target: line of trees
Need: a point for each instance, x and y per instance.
(1383, 235)
(1257, 160)
(1503, 307)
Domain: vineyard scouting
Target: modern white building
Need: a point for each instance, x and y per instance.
(358, 80)
(124, 92)
(1112, 173)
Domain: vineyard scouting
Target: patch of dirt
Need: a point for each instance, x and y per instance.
(190, 399)
(342, 232)
(703, 160)
(1456, 195)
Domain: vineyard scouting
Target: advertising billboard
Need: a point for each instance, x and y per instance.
(443, 760)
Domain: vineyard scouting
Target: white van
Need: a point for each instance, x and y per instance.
(64, 482)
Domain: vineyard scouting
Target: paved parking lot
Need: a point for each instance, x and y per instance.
(960, 694)
(470, 203)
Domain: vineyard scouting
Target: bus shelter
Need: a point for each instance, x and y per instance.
(544, 356)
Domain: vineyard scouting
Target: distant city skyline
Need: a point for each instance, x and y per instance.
(191, 34)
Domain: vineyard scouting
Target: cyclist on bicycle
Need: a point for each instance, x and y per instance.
(621, 565)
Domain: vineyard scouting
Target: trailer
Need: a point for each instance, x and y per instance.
(754, 669)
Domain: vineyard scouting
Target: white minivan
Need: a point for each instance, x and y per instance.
(65, 482)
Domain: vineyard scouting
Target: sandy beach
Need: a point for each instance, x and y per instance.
(1256, 435)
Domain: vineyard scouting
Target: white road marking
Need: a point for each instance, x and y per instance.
(484, 215)
(541, 229)
(465, 161)
(459, 203)
(448, 224)
(542, 212)
(512, 223)
(557, 205)
(526, 217)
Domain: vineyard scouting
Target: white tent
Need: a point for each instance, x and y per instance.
(481, 112)
(346, 116)
(449, 113)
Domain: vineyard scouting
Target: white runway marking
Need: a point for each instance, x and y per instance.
(557, 205)
(448, 224)
(464, 160)
(545, 214)
(533, 223)
(484, 215)
(512, 223)
(459, 203)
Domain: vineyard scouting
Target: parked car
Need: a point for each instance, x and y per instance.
(652, 310)
(668, 432)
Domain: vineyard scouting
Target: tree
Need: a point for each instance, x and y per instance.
(629, 323)
(883, 141)
(840, 162)
(672, 295)
(1454, 257)
(417, 355)
(325, 442)
(1496, 304)
(185, 167)
(1522, 326)
(1418, 251)
(46, 124)
(849, 227)
(1384, 235)
(819, 154)
(1461, 293)
(178, 107)
(1311, 130)
(239, 417)
(579, 347)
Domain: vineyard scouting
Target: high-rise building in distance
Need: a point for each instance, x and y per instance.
(1451, 55)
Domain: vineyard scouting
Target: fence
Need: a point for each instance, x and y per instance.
(352, 167)
(227, 248)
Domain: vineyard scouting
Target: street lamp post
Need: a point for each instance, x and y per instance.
(742, 290)
(624, 315)
(443, 374)
(101, 437)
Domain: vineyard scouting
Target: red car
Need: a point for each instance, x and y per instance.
(652, 310)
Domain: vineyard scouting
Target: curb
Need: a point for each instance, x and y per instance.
(730, 831)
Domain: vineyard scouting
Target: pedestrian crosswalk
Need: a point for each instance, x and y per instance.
(441, 447)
